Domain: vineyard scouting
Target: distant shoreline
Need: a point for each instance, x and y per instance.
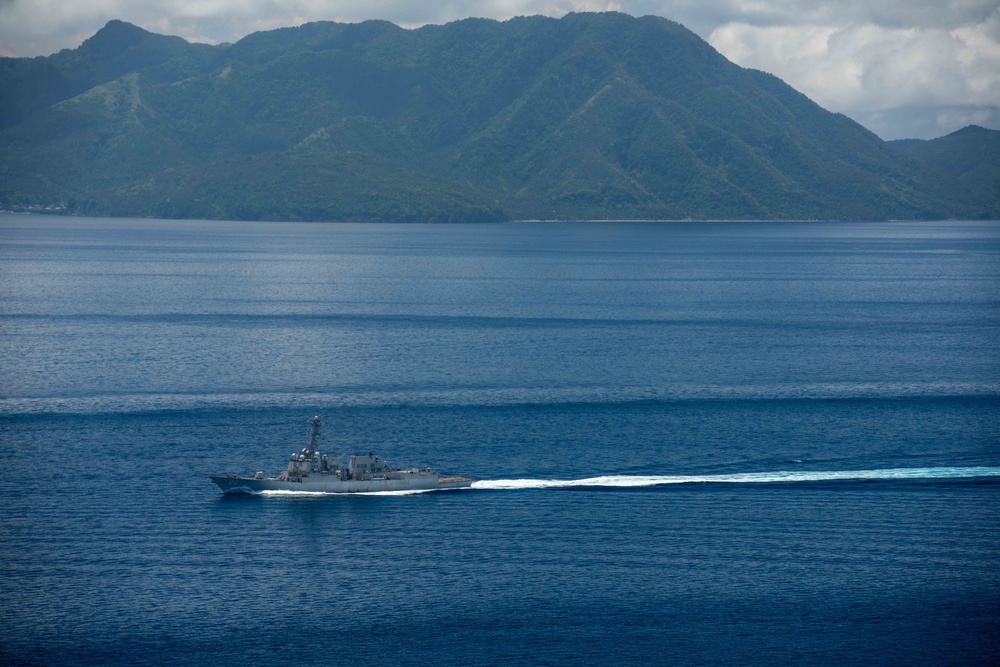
(497, 222)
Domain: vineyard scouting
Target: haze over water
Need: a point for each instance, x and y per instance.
(694, 443)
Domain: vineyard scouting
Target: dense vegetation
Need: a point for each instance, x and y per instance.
(590, 116)
(970, 155)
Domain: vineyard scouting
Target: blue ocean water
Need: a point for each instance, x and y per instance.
(721, 443)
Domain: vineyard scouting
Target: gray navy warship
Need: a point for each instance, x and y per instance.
(309, 470)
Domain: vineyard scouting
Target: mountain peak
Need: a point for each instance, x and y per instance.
(969, 129)
(115, 37)
(119, 27)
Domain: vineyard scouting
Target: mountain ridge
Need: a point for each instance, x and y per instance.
(970, 155)
(592, 116)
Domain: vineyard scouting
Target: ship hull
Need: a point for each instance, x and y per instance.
(233, 484)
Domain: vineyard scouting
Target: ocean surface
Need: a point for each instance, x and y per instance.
(694, 444)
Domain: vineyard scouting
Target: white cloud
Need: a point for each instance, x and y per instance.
(864, 70)
(870, 60)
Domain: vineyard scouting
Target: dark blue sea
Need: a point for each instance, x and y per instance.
(695, 444)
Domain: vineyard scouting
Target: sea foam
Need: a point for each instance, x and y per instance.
(744, 478)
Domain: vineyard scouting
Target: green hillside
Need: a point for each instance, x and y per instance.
(591, 116)
(970, 155)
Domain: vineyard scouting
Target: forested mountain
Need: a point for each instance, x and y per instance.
(592, 116)
(970, 155)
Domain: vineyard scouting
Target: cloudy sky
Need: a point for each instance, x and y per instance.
(902, 68)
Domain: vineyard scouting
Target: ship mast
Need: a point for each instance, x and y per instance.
(313, 443)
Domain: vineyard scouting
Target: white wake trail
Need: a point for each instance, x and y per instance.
(742, 478)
